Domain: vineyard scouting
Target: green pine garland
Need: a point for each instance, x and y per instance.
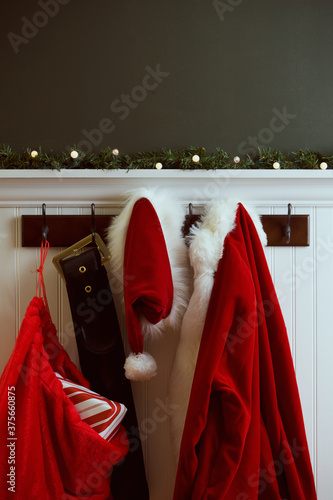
(106, 159)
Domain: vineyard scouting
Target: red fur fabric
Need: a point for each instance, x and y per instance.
(244, 437)
(56, 455)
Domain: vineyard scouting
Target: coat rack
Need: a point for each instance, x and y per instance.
(65, 230)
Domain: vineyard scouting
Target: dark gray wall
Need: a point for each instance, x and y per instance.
(230, 74)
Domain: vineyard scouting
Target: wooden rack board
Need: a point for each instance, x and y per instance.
(65, 230)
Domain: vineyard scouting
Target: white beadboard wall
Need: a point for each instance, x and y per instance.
(302, 276)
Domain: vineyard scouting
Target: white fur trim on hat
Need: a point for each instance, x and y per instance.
(140, 366)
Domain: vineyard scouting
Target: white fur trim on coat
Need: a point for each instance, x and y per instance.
(171, 217)
(206, 248)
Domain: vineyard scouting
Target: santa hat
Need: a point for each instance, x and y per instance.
(149, 262)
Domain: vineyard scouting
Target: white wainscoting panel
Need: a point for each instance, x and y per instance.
(302, 276)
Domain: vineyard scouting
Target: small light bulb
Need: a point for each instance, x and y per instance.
(33, 154)
(237, 159)
(115, 152)
(74, 154)
(195, 158)
(276, 165)
(323, 165)
(158, 165)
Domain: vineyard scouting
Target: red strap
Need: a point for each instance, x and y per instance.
(40, 291)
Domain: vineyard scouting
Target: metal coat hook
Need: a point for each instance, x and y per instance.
(190, 212)
(93, 224)
(45, 228)
(287, 230)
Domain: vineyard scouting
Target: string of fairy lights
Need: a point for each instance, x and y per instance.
(185, 159)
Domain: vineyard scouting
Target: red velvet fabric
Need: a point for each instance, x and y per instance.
(244, 435)
(57, 456)
(148, 287)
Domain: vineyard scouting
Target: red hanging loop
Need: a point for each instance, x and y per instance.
(40, 291)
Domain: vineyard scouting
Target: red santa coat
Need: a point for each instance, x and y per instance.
(244, 435)
(53, 453)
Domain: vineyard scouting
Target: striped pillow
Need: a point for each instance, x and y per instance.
(102, 414)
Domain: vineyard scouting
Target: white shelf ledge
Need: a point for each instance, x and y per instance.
(162, 174)
(32, 187)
